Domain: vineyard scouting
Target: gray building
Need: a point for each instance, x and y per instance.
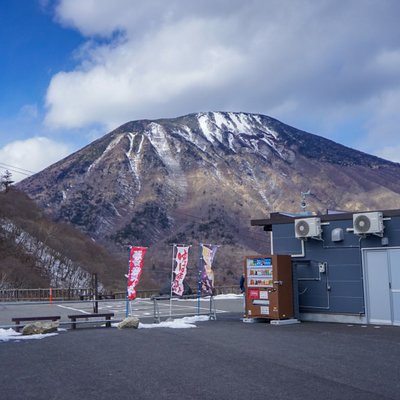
(346, 266)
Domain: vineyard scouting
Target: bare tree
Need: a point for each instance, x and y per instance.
(5, 180)
(3, 280)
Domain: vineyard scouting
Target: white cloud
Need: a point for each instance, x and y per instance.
(389, 153)
(32, 154)
(324, 61)
(382, 125)
(29, 111)
(120, 82)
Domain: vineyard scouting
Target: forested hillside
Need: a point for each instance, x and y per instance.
(37, 252)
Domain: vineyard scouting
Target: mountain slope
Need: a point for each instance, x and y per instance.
(201, 178)
(37, 252)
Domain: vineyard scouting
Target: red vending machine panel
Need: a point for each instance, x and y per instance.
(269, 292)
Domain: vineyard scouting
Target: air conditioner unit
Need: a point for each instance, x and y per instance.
(307, 227)
(365, 223)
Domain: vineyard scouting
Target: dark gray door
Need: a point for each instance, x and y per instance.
(376, 273)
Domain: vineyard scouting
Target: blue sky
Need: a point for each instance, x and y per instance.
(73, 70)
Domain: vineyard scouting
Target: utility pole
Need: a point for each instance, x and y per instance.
(303, 203)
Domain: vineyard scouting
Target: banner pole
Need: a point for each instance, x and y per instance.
(199, 279)
(127, 279)
(172, 280)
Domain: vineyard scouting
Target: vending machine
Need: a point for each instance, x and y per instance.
(269, 289)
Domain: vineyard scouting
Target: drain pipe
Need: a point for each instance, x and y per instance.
(303, 251)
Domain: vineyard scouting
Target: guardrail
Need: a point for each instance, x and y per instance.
(58, 294)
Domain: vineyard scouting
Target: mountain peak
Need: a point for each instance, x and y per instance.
(201, 178)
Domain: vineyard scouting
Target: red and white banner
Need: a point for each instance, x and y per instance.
(136, 257)
(182, 256)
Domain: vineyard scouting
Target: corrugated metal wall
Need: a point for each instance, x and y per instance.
(338, 288)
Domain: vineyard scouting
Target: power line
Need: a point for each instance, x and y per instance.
(14, 171)
(22, 170)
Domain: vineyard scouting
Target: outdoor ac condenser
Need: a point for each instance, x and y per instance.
(364, 223)
(307, 227)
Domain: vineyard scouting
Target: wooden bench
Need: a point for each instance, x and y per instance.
(107, 317)
(18, 320)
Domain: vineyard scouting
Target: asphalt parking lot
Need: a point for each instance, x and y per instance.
(141, 308)
(222, 359)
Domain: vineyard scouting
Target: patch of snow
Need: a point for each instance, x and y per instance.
(231, 140)
(242, 123)
(271, 132)
(111, 145)
(134, 158)
(217, 125)
(229, 296)
(205, 126)
(258, 119)
(222, 123)
(158, 138)
(254, 144)
(9, 334)
(180, 323)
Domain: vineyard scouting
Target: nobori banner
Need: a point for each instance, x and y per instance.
(182, 257)
(136, 258)
(206, 275)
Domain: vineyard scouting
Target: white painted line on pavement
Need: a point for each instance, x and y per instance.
(74, 309)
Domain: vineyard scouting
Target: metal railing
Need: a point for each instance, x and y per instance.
(58, 294)
(172, 307)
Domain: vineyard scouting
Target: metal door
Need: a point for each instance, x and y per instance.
(377, 287)
(394, 272)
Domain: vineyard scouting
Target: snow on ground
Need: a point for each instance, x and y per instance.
(228, 296)
(219, 296)
(180, 323)
(10, 334)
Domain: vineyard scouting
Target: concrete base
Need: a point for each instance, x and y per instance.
(271, 321)
(284, 321)
(341, 318)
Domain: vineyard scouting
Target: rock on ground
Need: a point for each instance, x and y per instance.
(40, 327)
(130, 322)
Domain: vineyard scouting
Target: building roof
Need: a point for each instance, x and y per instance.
(287, 218)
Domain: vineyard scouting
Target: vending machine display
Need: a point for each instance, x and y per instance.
(269, 292)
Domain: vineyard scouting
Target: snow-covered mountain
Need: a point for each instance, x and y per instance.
(201, 178)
